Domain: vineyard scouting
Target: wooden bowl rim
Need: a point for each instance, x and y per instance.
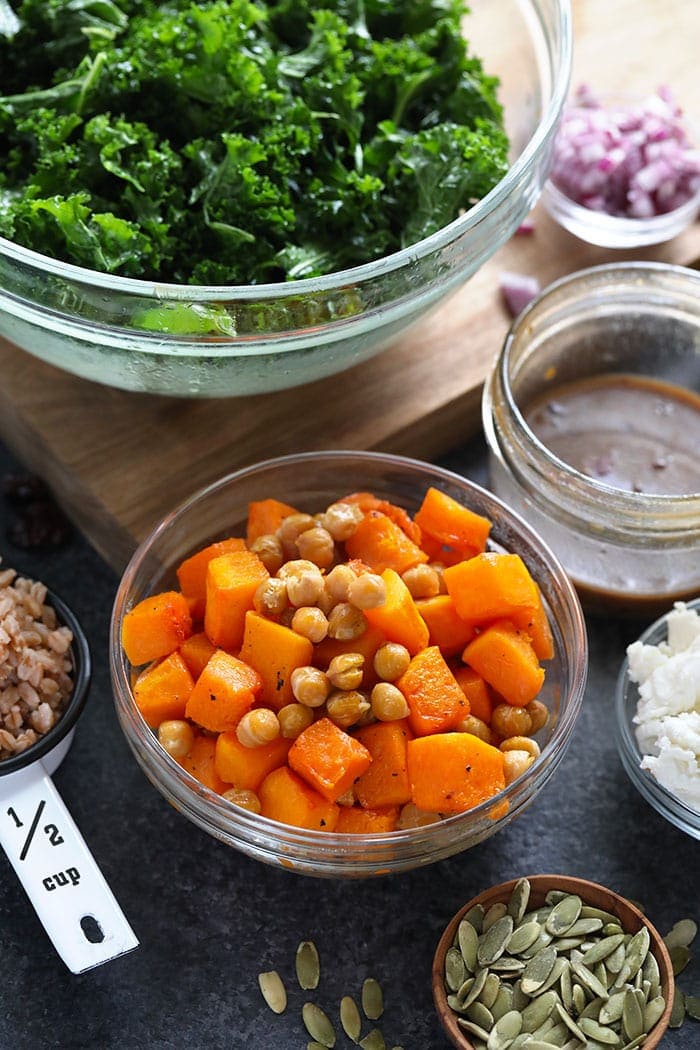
(592, 893)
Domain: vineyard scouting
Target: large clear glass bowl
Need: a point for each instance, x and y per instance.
(239, 340)
(311, 481)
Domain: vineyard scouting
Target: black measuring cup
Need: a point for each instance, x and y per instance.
(59, 874)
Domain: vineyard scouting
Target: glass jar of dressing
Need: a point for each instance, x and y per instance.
(592, 417)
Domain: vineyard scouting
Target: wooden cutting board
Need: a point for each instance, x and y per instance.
(119, 461)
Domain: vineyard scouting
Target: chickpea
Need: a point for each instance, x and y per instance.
(311, 623)
(412, 817)
(475, 726)
(341, 520)
(347, 798)
(290, 529)
(310, 686)
(345, 671)
(258, 727)
(388, 702)
(176, 736)
(269, 549)
(439, 568)
(521, 743)
(345, 707)
(391, 660)
(270, 598)
(515, 763)
(345, 622)
(507, 720)
(338, 583)
(317, 545)
(422, 581)
(294, 719)
(539, 715)
(304, 582)
(367, 591)
(243, 798)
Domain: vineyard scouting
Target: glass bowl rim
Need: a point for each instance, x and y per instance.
(560, 205)
(356, 274)
(521, 323)
(236, 817)
(660, 798)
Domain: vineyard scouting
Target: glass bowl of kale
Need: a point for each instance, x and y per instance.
(233, 197)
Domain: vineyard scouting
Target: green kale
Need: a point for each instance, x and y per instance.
(239, 141)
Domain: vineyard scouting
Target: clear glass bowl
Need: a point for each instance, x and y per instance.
(310, 481)
(227, 341)
(635, 552)
(626, 697)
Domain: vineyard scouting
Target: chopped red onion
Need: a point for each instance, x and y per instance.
(526, 227)
(632, 160)
(518, 289)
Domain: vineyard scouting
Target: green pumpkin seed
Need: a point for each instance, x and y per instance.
(592, 1009)
(476, 988)
(599, 1032)
(455, 970)
(538, 1011)
(692, 1006)
(616, 960)
(523, 936)
(566, 944)
(579, 997)
(520, 1000)
(473, 1029)
(313, 1045)
(468, 944)
(538, 1044)
(677, 1010)
(273, 991)
(492, 944)
(559, 1034)
(489, 992)
(372, 999)
(553, 897)
(637, 951)
(632, 1015)
(542, 941)
(538, 970)
(589, 979)
(374, 1040)
(653, 1011)
(634, 1043)
(566, 988)
(504, 1031)
(480, 1015)
(570, 1023)
(503, 1002)
(545, 1028)
(494, 913)
(611, 1010)
(584, 926)
(318, 1024)
(650, 970)
(564, 915)
(588, 911)
(519, 898)
(350, 1018)
(464, 989)
(475, 916)
(307, 965)
(602, 949)
(558, 969)
(680, 957)
(455, 1003)
(683, 934)
(507, 966)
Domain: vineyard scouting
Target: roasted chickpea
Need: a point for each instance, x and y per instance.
(304, 582)
(294, 719)
(269, 549)
(258, 727)
(475, 726)
(345, 670)
(422, 581)
(310, 686)
(539, 715)
(388, 702)
(176, 736)
(391, 660)
(508, 720)
(367, 591)
(338, 583)
(346, 707)
(412, 817)
(243, 798)
(521, 743)
(515, 763)
(311, 623)
(345, 622)
(270, 598)
(341, 520)
(316, 545)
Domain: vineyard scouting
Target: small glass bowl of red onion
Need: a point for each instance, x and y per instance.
(625, 171)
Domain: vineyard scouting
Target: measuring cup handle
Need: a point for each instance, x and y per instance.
(58, 872)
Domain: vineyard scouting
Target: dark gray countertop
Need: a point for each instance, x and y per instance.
(209, 919)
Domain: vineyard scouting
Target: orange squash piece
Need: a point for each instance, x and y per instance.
(156, 627)
(328, 758)
(476, 690)
(381, 544)
(196, 652)
(367, 645)
(200, 763)
(434, 698)
(247, 767)
(535, 623)
(368, 501)
(287, 798)
(222, 694)
(453, 772)
(398, 617)
(385, 782)
(504, 656)
(352, 820)
(452, 524)
(437, 551)
(232, 580)
(447, 629)
(192, 572)
(491, 587)
(266, 516)
(161, 692)
(274, 651)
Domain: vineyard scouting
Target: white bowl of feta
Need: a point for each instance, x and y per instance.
(657, 707)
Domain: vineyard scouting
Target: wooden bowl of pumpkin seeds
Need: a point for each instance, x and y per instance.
(550, 962)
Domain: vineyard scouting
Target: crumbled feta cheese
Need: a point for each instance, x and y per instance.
(668, 710)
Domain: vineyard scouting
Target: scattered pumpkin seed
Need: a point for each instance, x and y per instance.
(692, 1006)
(588, 911)
(653, 1011)
(504, 1031)
(475, 916)
(307, 965)
(492, 944)
(570, 1023)
(677, 1010)
(350, 1018)
(680, 957)
(589, 979)
(494, 913)
(489, 992)
(372, 999)
(507, 964)
(564, 915)
(273, 991)
(538, 1044)
(468, 940)
(313, 1045)
(318, 1024)
(682, 934)
(523, 936)
(616, 960)
(602, 949)
(554, 896)
(611, 1010)
(632, 1015)
(538, 970)
(519, 898)
(374, 1040)
(476, 988)
(481, 1015)
(455, 970)
(579, 997)
(503, 1002)
(538, 1011)
(473, 1029)
(634, 1043)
